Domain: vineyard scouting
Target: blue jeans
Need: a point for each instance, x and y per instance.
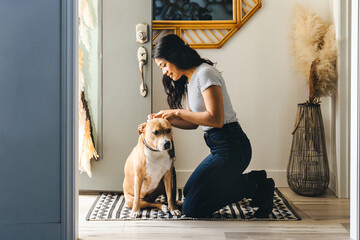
(217, 181)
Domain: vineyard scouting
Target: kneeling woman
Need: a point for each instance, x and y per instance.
(219, 179)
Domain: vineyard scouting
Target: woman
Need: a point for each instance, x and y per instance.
(219, 179)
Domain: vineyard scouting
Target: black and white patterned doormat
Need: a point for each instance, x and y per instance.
(112, 207)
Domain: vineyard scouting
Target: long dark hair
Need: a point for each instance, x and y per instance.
(174, 50)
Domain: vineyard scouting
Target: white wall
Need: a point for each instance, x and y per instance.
(264, 89)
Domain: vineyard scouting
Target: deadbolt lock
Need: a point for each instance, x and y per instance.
(142, 32)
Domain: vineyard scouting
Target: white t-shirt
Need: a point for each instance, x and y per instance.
(205, 76)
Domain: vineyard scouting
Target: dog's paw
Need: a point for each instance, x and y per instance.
(165, 208)
(135, 214)
(175, 212)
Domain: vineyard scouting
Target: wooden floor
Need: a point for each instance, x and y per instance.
(324, 217)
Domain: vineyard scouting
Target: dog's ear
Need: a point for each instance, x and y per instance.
(141, 128)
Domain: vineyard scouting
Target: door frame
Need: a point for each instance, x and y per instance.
(69, 120)
(69, 101)
(354, 122)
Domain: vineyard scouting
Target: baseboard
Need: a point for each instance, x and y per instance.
(279, 177)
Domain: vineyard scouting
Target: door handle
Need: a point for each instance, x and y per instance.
(142, 58)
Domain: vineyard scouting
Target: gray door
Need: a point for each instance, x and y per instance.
(123, 108)
(31, 125)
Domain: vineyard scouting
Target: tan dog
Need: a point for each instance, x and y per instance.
(148, 169)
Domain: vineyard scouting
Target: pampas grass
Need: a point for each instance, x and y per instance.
(326, 68)
(314, 47)
(306, 37)
(85, 13)
(87, 150)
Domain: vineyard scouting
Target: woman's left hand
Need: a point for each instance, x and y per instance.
(166, 114)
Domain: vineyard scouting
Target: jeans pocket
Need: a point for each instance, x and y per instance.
(218, 139)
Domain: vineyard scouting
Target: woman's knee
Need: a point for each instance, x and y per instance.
(186, 208)
(194, 209)
(190, 210)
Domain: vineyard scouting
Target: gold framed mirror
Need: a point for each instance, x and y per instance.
(201, 23)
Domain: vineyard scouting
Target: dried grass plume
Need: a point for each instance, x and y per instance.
(326, 69)
(314, 47)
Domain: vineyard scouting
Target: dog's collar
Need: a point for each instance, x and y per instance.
(171, 151)
(149, 147)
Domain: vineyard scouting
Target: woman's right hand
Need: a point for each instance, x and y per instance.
(151, 116)
(168, 114)
(174, 121)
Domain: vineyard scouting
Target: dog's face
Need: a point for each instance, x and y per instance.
(157, 133)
